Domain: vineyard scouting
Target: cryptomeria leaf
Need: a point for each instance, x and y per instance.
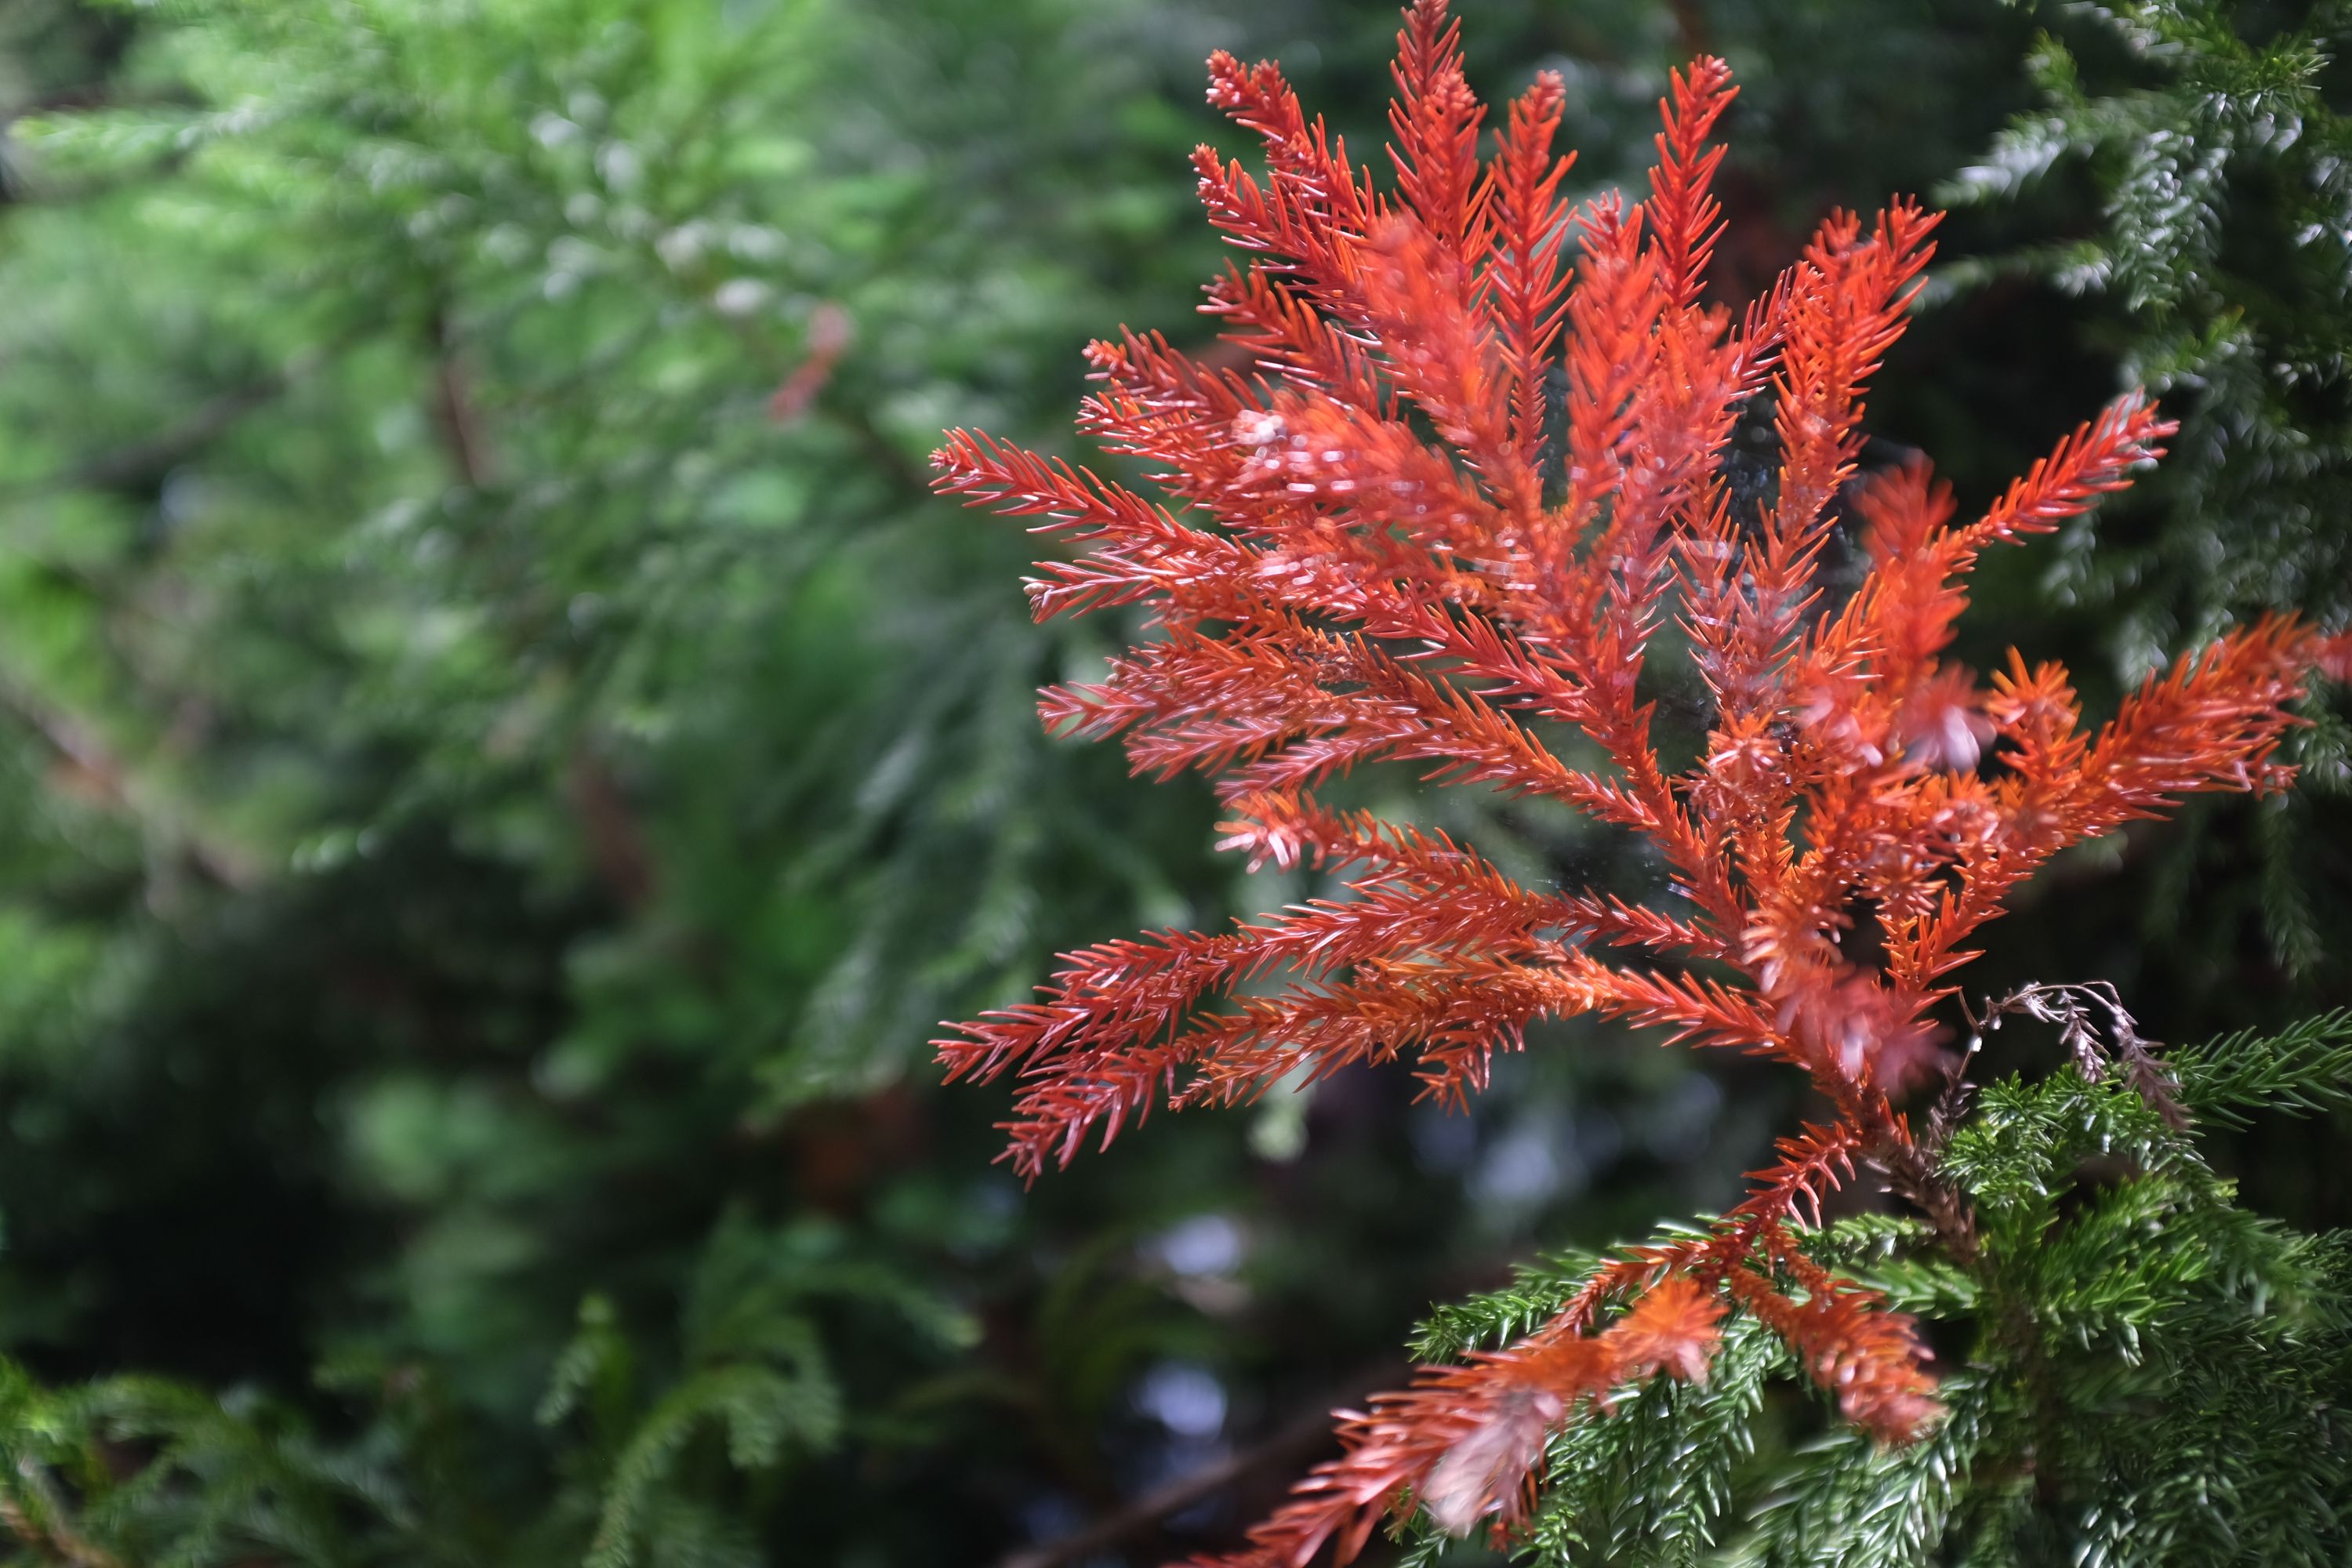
(2307, 1068)
(1361, 559)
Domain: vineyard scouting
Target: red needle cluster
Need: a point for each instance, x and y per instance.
(1455, 495)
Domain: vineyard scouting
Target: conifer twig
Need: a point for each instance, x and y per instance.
(1358, 562)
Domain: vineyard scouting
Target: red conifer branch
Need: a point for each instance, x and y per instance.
(1462, 1437)
(1524, 281)
(1684, 214)
(1341, 589)
(1435, 119)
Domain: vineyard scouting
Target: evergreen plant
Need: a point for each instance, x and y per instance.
(500, 760)
(1440, 513)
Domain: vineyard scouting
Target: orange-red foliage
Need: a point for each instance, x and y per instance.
(1334, 586)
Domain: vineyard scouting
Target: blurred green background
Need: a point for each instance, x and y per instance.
(503, 763)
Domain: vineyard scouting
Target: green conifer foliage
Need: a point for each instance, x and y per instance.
(491, 729)
(2208, 144)
(501, 766)
(2139, 1370)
